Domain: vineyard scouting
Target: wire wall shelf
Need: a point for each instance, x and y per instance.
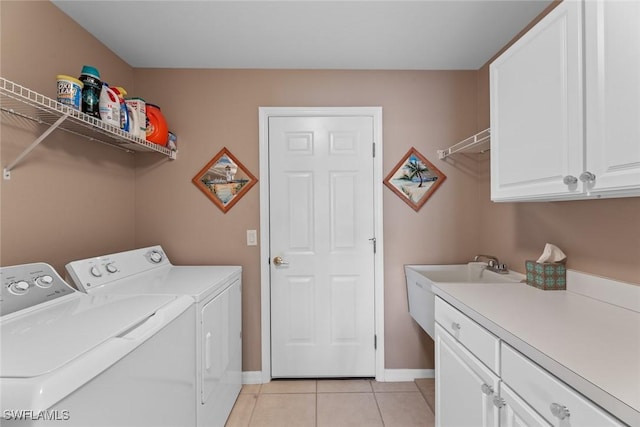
(478, 143)
(20, 104)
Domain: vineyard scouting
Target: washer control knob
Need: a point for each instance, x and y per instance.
(111, 267)
(22, 285)
(44, 281)
(95, 271)
(19, 288)
(155, 257)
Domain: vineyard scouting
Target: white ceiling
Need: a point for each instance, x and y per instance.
(305, 34)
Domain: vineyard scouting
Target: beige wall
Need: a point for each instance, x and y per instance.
(209, 109)
(70, 198)
(89, 199)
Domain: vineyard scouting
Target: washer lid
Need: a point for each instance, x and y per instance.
(44, 340)
(197, 281)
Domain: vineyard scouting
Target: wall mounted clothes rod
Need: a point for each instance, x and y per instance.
(478, 143)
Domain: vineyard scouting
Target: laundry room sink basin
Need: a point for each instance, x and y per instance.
(420, 279)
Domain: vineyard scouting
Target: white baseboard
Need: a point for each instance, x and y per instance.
(397, 375)
(252, 377)
(390, 375)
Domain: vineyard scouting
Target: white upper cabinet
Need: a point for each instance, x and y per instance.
(561, 130)
(536, 109)
(612, 42)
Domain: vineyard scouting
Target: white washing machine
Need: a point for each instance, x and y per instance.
(73, 359)
(217, 293)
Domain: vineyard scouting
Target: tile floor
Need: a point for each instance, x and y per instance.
(335, 403)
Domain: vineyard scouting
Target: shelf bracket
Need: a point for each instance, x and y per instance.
(6, 173)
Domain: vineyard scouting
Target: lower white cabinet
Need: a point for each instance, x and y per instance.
(515, 392)
(515, 412)
(465, 387)
(559, 404)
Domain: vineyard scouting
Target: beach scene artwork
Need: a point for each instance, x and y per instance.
(414, 179)
(224, 180)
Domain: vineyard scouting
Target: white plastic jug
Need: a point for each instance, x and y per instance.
(138, 105)
(109, 106)
(134, 120)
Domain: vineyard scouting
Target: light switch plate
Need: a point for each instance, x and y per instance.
(252, 238)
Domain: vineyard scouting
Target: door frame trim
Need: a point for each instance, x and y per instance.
(265, 283)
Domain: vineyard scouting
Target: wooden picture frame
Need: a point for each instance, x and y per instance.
(224, 180)
(414, 179)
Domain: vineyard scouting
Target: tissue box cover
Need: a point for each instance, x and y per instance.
(546, 275)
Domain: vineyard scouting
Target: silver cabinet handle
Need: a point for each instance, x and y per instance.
(278, 261)
(570, 180)
(587, 177)
(559, 411)
(455, 326)
(498, 402)
(486, 389)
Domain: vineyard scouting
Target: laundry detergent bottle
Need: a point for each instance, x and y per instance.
(91, 87)
(157, 129)
(134, 120)
(125, 120)
(109, 106)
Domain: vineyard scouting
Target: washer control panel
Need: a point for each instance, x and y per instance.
(92, 273)
(27, 285)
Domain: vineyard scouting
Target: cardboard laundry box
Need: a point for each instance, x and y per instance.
(546, 275)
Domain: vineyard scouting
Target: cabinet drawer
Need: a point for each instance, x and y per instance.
(483, 344)
(542, 390)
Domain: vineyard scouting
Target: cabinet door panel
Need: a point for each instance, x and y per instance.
(613, 93)
(536, 109)
(459, 378)
(516, 412)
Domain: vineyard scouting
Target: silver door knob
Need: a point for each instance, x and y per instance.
(570, 180)
(587, 177)
(486, 389)
(498, 402)
(278, 261)
(559, 411)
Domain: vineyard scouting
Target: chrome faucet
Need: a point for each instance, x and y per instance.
(493, 264)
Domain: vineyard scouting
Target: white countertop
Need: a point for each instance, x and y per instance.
(591, 345)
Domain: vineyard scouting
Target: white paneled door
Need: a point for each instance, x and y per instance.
(322, 246)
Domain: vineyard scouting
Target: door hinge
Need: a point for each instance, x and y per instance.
(375, 342)
(373, 239)
(374, 149)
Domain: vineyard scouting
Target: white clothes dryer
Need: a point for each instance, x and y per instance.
(217, 294)
(73, 359)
